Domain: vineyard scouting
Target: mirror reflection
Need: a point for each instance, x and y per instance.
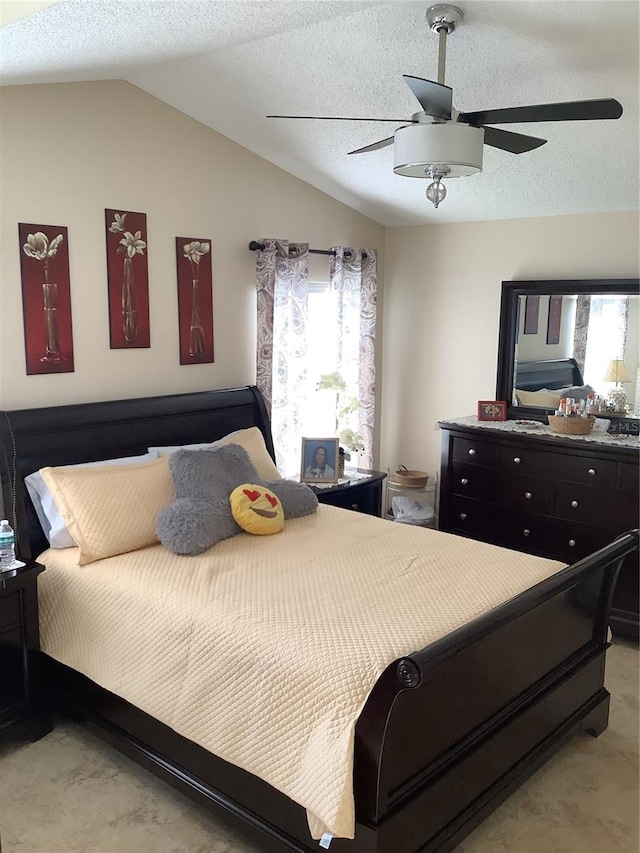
(576, 345)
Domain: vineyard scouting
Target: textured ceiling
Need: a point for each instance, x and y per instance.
(229, 63)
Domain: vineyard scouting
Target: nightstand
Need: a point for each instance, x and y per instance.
(22, 705)
(359, 490)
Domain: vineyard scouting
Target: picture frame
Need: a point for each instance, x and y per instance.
(127, 279)
(46, 298)
(195, 300)
(492, 410)
(316, 467)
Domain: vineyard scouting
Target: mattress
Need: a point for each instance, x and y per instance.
(300, 625)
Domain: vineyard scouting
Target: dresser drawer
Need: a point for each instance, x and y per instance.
(581, 469)
(524, 460)
(526, 531)
(476, 451)
(592, 505)
(527, 493)
(474, 518)
(474, 481)
(630, 480)
(573, 541)
(9, 611)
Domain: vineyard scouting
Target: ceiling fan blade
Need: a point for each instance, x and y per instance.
(343, 118)
(570, 111)
(435, 99)
(374, 146)
(516, 143)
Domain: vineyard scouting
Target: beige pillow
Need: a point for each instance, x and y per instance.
(253, 442)
(251, 439)
(548, 399)
(111, 510)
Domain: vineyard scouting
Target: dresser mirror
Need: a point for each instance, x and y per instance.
(567, 333)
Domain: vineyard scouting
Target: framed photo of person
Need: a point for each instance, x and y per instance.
(319, 463)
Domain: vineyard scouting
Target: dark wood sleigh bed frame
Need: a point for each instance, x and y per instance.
(448, 732)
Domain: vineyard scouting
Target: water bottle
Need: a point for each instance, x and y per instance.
(7, 545)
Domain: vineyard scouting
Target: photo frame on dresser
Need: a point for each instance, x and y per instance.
(492, 410)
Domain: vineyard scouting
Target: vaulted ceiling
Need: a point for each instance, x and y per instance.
(230, 63)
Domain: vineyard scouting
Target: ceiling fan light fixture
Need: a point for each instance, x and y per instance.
(436, 191)
(419, 147)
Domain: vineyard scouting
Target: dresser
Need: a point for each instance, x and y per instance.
(544, 494)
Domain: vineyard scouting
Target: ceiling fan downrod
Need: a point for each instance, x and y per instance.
(442, 20)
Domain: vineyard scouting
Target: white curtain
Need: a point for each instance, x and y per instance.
(353, 275)
(282, 273)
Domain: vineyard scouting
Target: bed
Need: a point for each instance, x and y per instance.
(548, 373)
(447, 732)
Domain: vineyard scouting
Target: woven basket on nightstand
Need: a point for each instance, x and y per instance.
(571, 426)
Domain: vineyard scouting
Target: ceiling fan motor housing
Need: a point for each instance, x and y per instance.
(420, 147)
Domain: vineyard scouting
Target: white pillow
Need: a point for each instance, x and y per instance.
(48, 513)
(251, 439)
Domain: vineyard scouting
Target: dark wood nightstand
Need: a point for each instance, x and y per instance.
(22, 705)
(360, 490)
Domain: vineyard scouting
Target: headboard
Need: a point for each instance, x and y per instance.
(31, 439)
(554, 373)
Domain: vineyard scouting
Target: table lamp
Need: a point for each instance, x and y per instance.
(617, 372)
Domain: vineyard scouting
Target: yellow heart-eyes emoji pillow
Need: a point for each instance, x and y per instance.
(256, 509)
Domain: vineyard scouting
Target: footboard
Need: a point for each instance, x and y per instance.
(472, 716)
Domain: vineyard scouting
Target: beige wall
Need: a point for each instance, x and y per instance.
(69, 151)
(442, 305)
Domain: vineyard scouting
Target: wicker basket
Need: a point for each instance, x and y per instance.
(571, 426)
(413, 479)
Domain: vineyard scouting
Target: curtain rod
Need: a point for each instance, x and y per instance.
(254, 246)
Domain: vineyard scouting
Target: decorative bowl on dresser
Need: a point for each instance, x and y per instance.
(549, 495)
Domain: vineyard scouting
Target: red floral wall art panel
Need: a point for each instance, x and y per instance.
(195, 300)
(127, 279)
(46, 298)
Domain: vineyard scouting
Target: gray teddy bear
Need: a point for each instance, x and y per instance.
(201, 514)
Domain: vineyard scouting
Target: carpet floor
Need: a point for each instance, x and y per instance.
(70, 793)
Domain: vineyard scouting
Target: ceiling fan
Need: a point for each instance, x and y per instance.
(439, 142)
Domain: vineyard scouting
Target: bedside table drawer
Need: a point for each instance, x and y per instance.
(359, 500)
(10, 612)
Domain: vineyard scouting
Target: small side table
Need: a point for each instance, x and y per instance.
(22, 701)
(359, 490)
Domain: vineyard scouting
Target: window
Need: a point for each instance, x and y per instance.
(606, 339)
(331, 358)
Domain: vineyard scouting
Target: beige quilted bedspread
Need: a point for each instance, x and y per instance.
(298, 625)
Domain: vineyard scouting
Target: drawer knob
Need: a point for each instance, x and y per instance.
(517, 460)
(463, 515)
(572, 543)
(463, 481)
(528, 495)
(591, 472)
(472, 452)
(574, 504)
(526, 531)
